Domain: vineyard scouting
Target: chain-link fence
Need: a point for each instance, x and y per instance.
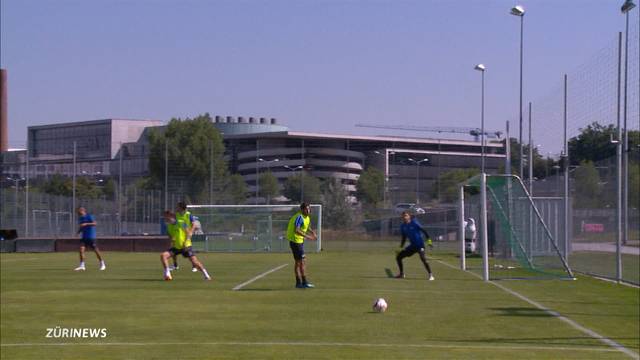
(129, 189)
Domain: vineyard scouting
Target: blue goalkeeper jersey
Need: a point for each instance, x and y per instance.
(413, 231)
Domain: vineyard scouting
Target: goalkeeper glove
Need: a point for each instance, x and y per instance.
(430, 243)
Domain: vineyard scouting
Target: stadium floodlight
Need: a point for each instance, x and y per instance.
(627, 6)
(517, 10)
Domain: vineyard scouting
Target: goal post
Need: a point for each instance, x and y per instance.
(249, 228)
(514, 240)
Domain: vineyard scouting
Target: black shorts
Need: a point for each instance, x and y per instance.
(186, 252)
(90, 243)
(410, 250)
(297, 250)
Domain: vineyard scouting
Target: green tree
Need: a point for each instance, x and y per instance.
(594, 143)
(194, 147)
(237, 189)
(370, 186)
(58, 185)
(109, 189)
(86, 188)
(269, 187)
(587, 186)
(305, 183)
(338, 212)
(449, 183)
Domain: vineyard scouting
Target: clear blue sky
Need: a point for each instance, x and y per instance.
(315, 65)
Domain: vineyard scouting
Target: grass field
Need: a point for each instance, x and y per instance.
(455, 317)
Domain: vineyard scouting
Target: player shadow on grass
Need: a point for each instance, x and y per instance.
(521, 311)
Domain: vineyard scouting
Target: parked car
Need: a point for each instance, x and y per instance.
(410, 207)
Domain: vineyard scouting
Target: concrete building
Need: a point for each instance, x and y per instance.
(410, 165)
(253, 146)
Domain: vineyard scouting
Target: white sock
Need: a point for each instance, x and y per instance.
(206, 274)
(167, 272)
(101, 262)
(81, 263)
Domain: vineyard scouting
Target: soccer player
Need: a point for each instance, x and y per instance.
(88, 229)
(411, 229)
(180, 244)
(296, 233)
(188, 222)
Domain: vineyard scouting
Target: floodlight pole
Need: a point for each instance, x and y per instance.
(530, 154)
(75, 154)
(618, 142)
(626, 8)
(507, 145)
(482, 125)
(463, 265)
(26, 196)
(166, 174)
(567, 210)
(485, 235)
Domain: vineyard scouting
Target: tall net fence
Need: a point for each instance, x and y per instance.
(597, 97)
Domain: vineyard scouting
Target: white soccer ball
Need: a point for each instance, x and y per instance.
(380, 305)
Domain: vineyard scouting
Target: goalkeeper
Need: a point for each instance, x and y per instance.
(411, 229)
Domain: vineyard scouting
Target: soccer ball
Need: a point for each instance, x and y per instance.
(380, 305)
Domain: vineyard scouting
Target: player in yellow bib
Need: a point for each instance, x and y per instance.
(180, 236)
(298, 230)
(187, 220)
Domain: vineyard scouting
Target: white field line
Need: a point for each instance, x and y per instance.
(572, 323)
(327, 344)
(238, 287)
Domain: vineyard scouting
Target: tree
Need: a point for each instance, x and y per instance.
(194, 147)
(370, 186)
(109, 189)
(237, 189)
(338, 212)
(269, 187)
(587, 187)
(58, 185)
(449, 183)
(299, 183)
(594, 143)
(87, 189)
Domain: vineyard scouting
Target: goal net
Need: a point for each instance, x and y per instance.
(254, 228)
(519, 243)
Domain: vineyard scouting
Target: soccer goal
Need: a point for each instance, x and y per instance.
(514, 241)
(249, 228)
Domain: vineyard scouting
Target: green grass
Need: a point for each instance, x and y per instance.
(604, 264)
(457, 316)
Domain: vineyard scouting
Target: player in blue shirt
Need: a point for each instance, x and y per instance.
(88, 230)
(411, 229)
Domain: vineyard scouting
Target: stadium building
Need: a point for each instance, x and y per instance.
(410, 165)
